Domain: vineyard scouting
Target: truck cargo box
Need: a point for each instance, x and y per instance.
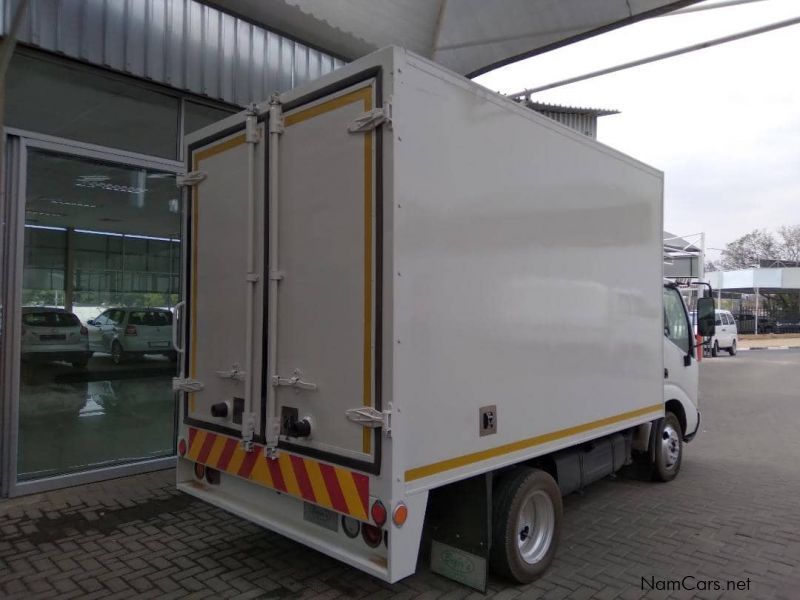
(397, 279)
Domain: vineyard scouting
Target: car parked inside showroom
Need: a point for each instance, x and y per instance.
(54, 334)
(129, 332)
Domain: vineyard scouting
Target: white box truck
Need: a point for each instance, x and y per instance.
(414, 306)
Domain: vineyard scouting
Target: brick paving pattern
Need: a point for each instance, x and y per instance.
(731, 515)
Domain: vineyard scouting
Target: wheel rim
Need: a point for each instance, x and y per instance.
(535, 527)
(670, 446)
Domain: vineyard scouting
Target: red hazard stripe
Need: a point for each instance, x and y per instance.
(227, 454)
(362, 485)
(208, 443)
(334, 490)
(248, 463)
(192, 433)
(277, 476)
(302, 478)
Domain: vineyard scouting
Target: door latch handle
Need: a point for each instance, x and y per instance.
(294, 381)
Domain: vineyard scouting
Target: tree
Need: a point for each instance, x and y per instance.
(746, 251)
(789, 242)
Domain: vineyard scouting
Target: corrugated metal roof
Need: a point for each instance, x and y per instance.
(181, 43)
(575, 110)
(582, 120)
(467, 36)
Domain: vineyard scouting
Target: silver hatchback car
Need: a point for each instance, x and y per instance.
(54, 334)
(127, 332)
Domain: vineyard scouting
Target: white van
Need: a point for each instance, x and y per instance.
(726, 336)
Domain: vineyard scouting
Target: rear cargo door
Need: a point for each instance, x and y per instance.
(218, 321)
(327, 300)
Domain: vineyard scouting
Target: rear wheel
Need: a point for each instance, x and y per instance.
(117, 353)
(669, 449)
(526, 524)
(715, 349)
(732, 349)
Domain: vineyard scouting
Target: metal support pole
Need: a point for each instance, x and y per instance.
(69, 270)
(755, 318)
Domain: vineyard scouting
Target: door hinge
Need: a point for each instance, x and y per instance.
(371, 119)
(189, 179)
(233, 373)
(294, 381)
(248, 431)
(272, 436)
(187, 385)
(366, 416)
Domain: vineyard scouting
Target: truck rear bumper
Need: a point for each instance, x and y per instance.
(391, 560)
(281, 514)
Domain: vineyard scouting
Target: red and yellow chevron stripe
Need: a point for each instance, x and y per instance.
(329, 486)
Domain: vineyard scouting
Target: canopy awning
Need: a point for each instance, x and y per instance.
(467, 36)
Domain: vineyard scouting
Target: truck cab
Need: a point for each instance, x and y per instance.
(681, 364)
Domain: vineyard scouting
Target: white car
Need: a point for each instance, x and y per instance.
(125, 332)
(53, 334)
(726, 336)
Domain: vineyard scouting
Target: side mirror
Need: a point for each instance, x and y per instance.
(705, 317)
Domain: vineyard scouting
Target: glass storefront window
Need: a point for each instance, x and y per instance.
(196, 116)
(100, 279)
(88, 106)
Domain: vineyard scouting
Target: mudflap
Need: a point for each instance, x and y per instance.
(459, 527)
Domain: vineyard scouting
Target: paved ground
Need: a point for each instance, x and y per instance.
(768, 341)
(733, 514)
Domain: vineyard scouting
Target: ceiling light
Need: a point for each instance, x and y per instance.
(79, 204)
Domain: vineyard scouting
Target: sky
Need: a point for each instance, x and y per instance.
(723, 123)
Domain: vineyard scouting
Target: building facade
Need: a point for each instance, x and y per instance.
(97, 98)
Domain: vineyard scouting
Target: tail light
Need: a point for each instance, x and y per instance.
(84, 331)
(199, 470)
(182, 447)
(378, 513)
(373, 536)
(130, 330)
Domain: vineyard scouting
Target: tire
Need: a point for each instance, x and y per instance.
(118, 355)
(525, 499)
(715, 349)
(669, 449)
(732, 349)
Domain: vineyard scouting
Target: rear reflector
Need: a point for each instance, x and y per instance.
(400, 514)
(182, 447)
(373, 536)
(378, 513)
(199, 470)
(212, 476)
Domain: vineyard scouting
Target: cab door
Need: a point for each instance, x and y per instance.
(680, 369)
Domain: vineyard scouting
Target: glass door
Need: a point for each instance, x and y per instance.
(99, 277)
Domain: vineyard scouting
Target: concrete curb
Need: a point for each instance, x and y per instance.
(770, 348)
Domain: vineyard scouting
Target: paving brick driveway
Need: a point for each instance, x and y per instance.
(733, 514)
